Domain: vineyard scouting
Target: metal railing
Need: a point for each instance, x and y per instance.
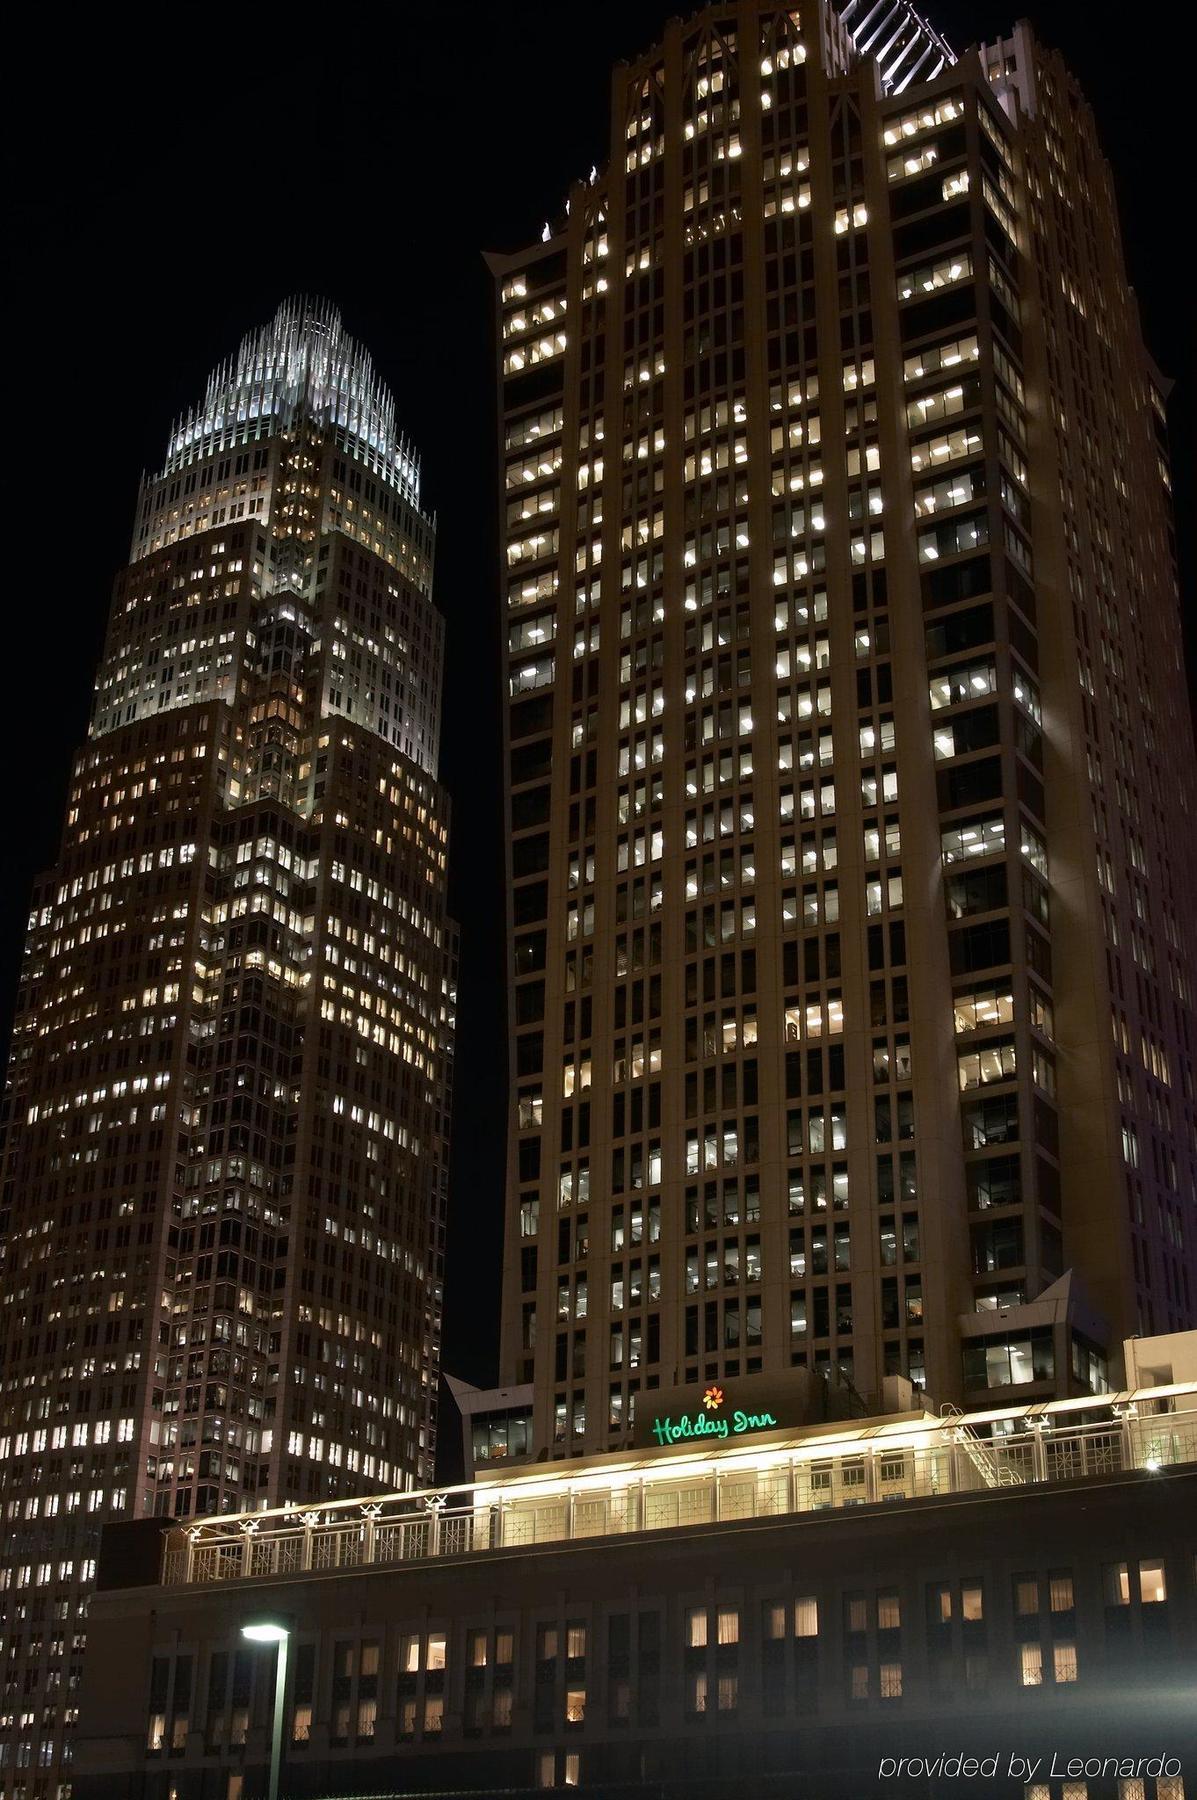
(819, 1473)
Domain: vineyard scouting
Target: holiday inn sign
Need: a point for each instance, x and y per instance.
(719, 1411)
(714, 1419)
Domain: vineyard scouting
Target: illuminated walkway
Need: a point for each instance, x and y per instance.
(885, 1460)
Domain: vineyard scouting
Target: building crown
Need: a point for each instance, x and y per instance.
(303, 365)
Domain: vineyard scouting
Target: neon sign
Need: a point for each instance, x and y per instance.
(711, 1422)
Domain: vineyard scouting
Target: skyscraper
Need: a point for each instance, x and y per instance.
(850, 781)
(224, 1178)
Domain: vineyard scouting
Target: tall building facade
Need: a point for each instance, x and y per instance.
(224, 1176)
(850, 780)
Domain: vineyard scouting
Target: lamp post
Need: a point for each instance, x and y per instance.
(273, 1631)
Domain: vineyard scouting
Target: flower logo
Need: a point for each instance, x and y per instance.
(713, 1399)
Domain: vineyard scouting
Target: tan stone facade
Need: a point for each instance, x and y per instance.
(851, 793)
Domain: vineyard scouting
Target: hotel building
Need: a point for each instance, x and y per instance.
(850, 782)
(769, 1610)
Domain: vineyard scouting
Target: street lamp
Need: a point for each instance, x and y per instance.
(273, 1631)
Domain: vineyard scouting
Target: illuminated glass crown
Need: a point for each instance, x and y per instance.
(303, 365)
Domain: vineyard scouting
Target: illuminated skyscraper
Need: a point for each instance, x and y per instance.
(224, 1179)
(851, 788)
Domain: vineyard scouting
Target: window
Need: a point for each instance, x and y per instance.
(436, 1650)
(953, 538)
(932, 358)
(1116, 1583)
(696, 1627)
(1152, 1586)
(1061, 1593)
(1030, 1665)
(806, 1618)
(982, 1008)
(575, 1705)
(949, 491)
(889, 1612)
(728, 1625)
(974, 837)
(1015, 1361)
(967, 681)
(972, 1602)
(1026, 1595)
(891, 1681)
(1064, 1662)
(858, 1683)
(926, 278)
(979, 1068)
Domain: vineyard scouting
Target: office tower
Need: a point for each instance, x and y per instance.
(226, 1157)
(851, 788)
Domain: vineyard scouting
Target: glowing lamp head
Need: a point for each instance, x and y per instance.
(265, 1631)
(1153, 1465)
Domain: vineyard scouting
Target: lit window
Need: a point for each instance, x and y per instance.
(1061, 1593)
(972, 1603)
(891, 1681)
(575, 1705)
(806, 1617)
(889, 1612)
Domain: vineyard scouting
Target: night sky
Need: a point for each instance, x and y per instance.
(165, 195)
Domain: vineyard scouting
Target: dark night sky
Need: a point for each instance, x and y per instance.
(165, 195)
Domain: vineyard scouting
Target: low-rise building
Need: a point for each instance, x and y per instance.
(741, 1607)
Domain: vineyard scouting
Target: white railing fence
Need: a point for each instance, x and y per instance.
(950, 1459)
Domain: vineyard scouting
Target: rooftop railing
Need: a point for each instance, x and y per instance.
(823, 1470)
